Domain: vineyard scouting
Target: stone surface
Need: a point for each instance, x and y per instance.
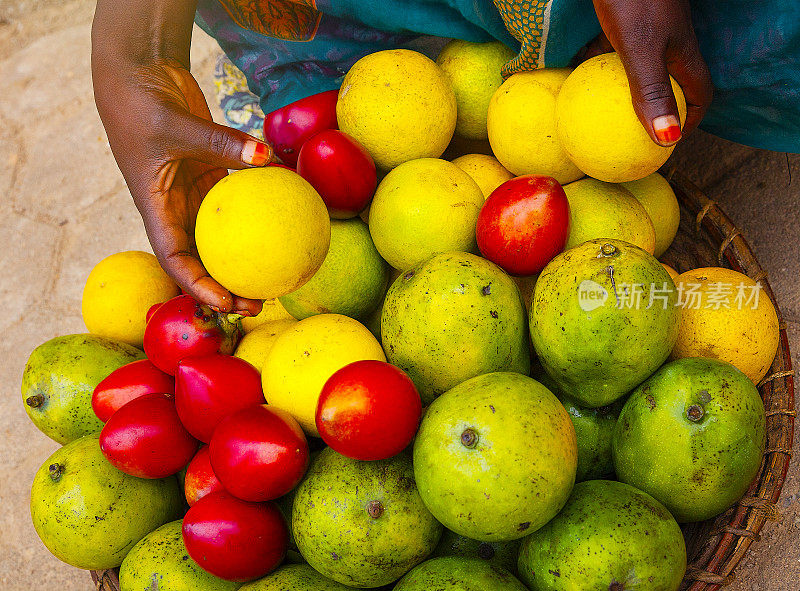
(36, 278)
(64, 206)
(24, 561)
(49, 188)
(113, 216)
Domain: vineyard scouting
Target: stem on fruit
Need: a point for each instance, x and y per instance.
(375, 509)
(56, 471)
(608, 249)
(695, 413)
(408, 275)
(469, 438)
(35, 401)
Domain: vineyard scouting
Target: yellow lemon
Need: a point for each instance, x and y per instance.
(726, 315)
(257, 343)
(598, 127)
(522, 126)
(120, 290)
(606, 210)
(552, 78)
(485, 170)
(262, 232)
(474, 72)
(656, 195)
(306, 355)
(399, 104)
(271, 309)
(424, 207)
(672, 272)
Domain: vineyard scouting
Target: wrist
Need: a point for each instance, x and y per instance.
(127, 33)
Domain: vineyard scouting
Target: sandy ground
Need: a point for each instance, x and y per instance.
(65, 206)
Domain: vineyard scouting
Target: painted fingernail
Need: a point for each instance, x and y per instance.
(256, 154)
(667, 128)
(215, 308)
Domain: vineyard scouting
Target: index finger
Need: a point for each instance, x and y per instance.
(174, 252)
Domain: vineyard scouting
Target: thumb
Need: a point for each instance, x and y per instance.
(653, 99)
(217, 145)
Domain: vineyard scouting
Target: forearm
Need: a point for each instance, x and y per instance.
(137, 32)
(130, 38)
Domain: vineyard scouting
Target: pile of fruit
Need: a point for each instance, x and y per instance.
(535, 402)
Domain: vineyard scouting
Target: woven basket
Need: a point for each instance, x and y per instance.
(708, 238)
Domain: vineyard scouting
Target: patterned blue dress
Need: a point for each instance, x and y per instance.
(289, 49)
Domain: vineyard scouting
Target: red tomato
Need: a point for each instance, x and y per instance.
(341, 171)
(524, 224)
(200, 478)
(259, 453)
(151, 311)
(233, 539)
(368, 410)
(126, 383)
(145, 438)
(287, 128)
(183, 327)
(211, 387)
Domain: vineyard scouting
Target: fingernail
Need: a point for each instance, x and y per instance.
(256, 154)
(215, 308)
(667, 128)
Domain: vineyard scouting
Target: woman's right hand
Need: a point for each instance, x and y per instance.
(169, 151)
(655, 40)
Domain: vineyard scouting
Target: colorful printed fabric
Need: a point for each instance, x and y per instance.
(281, 70)
(290, 20)
(238, 104)
(753, 51)
(289, 49)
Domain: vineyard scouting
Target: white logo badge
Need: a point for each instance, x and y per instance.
(591, 295)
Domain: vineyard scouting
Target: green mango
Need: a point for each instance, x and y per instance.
(59, 379)
(362, 524)
(160, 562)
(692, 436)
(495, 457)
(502, 554)
(451, 318)
(603, 318)
(594, 429)
(351, 281)
(373, 320)
(454, 573)
(609, 536)
(285, 504)
(89, 514)
(295, 577)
